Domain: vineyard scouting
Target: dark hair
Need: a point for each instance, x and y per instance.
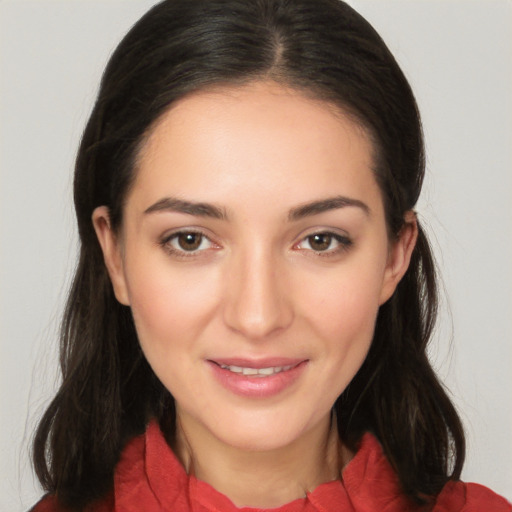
(324, 48)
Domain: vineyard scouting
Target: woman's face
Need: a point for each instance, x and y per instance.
(254, 256)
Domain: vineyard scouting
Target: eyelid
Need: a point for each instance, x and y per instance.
(166, 239)
(344, 242)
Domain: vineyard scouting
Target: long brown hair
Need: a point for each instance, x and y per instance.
(108, 391)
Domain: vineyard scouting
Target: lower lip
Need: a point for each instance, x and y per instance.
(257, 387)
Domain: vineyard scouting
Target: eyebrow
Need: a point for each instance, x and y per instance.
(209, 210)
(191, 208)
(324, 205)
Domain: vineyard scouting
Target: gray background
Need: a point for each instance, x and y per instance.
(458, 57)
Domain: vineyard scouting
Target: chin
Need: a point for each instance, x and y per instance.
(261, 440)
(267, 430)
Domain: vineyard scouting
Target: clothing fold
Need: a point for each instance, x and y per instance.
(150, 478)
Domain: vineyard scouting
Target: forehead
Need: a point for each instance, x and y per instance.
(258, 137)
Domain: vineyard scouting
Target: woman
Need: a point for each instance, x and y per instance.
(248, 322)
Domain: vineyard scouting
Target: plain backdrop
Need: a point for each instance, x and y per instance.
(458, 57)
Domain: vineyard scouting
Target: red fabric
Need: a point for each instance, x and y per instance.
(149, 478)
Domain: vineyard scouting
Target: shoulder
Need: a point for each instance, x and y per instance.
(462, 497)
(372, 484)
(50, 504)
(47, 504)
(131, 461)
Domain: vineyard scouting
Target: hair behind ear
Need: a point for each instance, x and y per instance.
(396, 393)
(112, 252)
(94, 413)
(400, 253)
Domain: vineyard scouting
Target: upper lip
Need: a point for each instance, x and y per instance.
(267, 362)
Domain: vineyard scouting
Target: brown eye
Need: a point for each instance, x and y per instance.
(189, 241)
(320, 241)
(325, 243)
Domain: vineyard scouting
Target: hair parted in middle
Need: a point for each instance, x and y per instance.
(326, 50)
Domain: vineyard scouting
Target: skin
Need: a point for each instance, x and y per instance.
(257, 283)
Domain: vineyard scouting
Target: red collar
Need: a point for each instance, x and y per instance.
(149, 477)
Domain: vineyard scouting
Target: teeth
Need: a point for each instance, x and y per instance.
(256, 372)
(269, 371)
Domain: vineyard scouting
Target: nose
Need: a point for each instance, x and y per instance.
(257, 304)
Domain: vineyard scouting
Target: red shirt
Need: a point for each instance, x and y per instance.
(149, 478)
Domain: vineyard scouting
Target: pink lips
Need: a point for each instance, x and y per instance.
(264, 385)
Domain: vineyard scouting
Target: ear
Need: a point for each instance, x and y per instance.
(399, 256)
(112, 253)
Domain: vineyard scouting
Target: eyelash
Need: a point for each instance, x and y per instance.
(344, 243)
(167, 243)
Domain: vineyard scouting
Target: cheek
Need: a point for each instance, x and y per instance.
(347, 305)
(170, 308)
(342, 313)
(348, 333)
(347, 325)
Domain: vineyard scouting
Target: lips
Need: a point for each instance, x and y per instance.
(257, 378)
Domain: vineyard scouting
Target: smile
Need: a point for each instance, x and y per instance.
(257, 379)
(256, 372)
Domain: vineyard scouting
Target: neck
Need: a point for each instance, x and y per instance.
(262, 479)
